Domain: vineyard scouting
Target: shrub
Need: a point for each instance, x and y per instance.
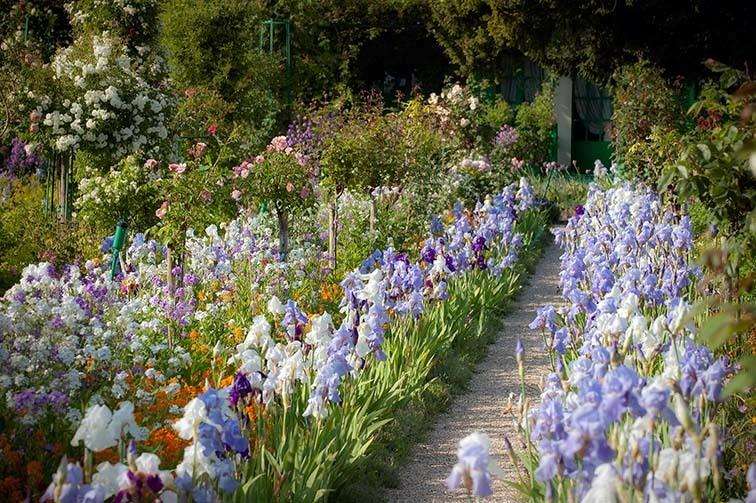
(496, 114)
(103, 101)
(194, 193)
(28, 235)
(712, 165)
(213, 52)
(126, 192)
(535, 122)
(461, 113)
(134, 23)
(646, 104)
(281, 177)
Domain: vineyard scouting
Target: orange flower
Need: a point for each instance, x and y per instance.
(227, 381)
(110, 454)
(329, 292)
(168, 443)
(238, 334)
(10, 487)
(35, 474)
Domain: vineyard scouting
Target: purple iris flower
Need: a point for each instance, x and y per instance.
(240, 388)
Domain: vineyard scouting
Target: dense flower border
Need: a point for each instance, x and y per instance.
(629, 412)
(277, 356)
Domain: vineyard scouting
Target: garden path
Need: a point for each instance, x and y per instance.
(481, 407)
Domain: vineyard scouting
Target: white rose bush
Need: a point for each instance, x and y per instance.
(106, 101)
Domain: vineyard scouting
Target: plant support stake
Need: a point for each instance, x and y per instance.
(118, 239)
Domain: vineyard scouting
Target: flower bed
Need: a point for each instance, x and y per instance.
(630, 410)
(267, 417)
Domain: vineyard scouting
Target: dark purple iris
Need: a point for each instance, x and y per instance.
(450, 263)
(154, 483)
(429, 254)
(20, 161)
(481, 261)
(479, 243)
(240, 388)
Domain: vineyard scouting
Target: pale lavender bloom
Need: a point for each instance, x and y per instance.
(474, 468)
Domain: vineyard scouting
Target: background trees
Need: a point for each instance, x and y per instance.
(596, 36)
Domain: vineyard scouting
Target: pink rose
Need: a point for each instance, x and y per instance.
(259, 159)
(289, 187)
(177, 168)
(150, 164)
(198, 150)
(236, 194)
(278, 144)
(160, 213)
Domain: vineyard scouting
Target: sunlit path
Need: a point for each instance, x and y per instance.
(481, 407)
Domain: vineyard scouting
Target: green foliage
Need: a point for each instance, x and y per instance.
(28, 235)
(36, 28)
(592, 37)
(646, 117)
(420, 142)
(462, 29)
(20, 212)
(566, 190)
(279, 178)
(30, 33)
(215, 60)
(496, 113)
(711, 165)
(363, 154)
(535, 123)
(136, 26)
(194, 195)
(126, 192)
(330, 34)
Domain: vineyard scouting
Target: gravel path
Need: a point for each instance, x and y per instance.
(481, 407)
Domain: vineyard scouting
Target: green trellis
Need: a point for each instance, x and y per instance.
(275, 37)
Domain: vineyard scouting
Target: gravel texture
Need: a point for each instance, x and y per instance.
(481, 407)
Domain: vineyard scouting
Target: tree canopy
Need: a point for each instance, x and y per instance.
(594, 37)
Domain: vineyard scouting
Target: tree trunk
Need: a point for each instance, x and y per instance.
(283, 233)
(332, 233)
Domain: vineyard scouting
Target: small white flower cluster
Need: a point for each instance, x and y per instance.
(128, 185)
(456, 104)
(111, 107)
